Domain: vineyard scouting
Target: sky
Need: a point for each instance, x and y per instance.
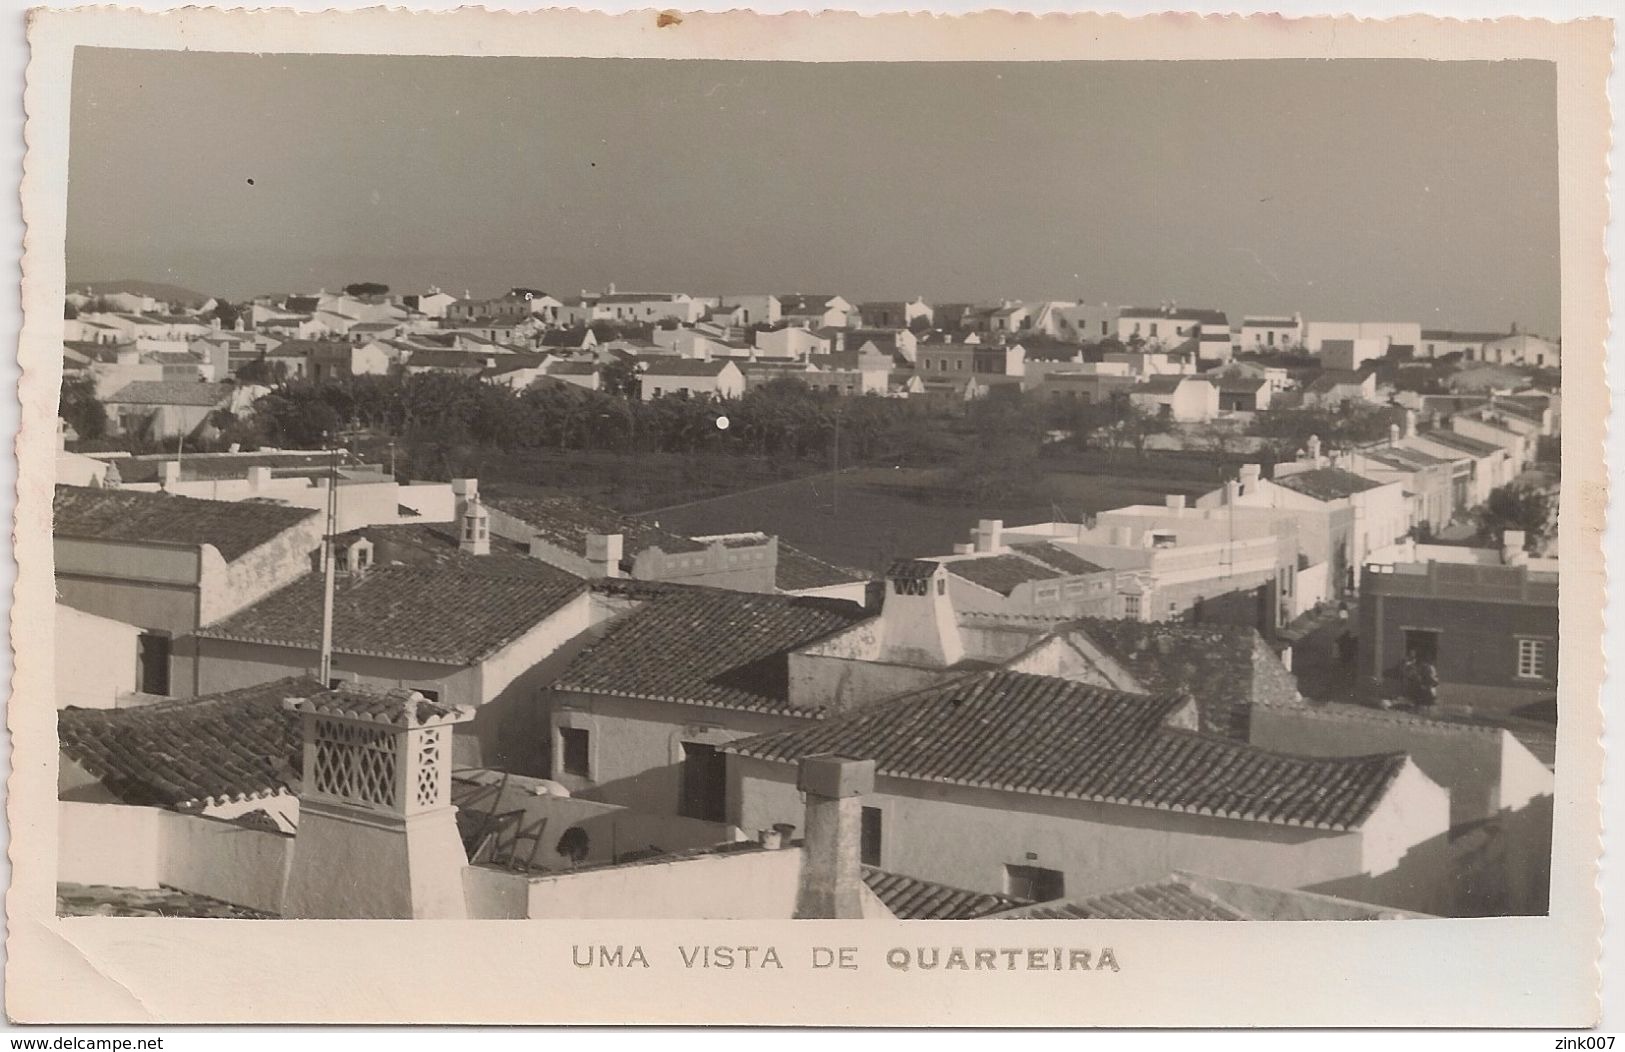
(1347, 190)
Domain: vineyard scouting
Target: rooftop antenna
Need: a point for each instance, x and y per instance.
(329, 538)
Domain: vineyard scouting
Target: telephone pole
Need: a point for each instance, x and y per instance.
(329, 538)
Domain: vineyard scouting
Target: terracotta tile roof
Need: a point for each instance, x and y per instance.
(1226, 668)
(1163, 384)
(238, 745)
(436, 358)
(1335, 378)
(638, 297)
(426, 544)
(911, 898)
(797, 571)
(1021, 733)
(565, 522)
(1326, 483)
(171, 392)
(666, 365)
(1001, 573)
(707, 646)
(1191, 896)
(803, 304)
(1466, 444)
(104, 900)
(396, 706)
(443, 614)
(912, 569)
(327, 348)
(1451, 336)
(235, 529)
(148, 467)
(1051, 554)
(572, 369)
(1171, 899)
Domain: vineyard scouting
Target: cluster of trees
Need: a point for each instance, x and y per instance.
(1114, 423)
(784, 419)
(81, 409)
(1289, 430)
(1519, 506)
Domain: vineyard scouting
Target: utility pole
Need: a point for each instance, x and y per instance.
(329, 538)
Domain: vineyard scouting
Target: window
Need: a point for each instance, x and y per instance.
(429, 693)
(1153, 328)
(152, 662)
(1131, 607)
(869, 837)
(1034, 883)
(575, 750)
(1531, 659)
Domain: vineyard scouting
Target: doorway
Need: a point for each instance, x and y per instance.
(705, 782)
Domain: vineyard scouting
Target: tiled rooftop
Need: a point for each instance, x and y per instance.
(102, 900)
(797, 571)
(237, 745)
(396, 706)
(803, 304)
(707, 646)
(1002, 573)
(912, 569)
(911, 898)
(235, 529)
(1334, 378)
(427, 544)
(1171, 899)
(1473, 446)
(1053, 555)
(1021, 733)
(1226, 668)
(1193, 897)
(148, 467)
(1326, 483)
(171, 392)
(665, 365)
(443, 614)
(565, 523)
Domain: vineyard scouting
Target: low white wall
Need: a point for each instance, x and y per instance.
(109, 844)
(149, 847)
(225, 861)
(750, 885)
(1313, 586)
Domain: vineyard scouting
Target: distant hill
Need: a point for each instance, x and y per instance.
(157, 290)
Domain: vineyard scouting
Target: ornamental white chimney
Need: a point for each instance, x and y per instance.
(377, 829)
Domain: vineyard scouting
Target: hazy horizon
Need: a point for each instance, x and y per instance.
(1348, 189)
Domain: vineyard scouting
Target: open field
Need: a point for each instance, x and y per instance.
(875, 515)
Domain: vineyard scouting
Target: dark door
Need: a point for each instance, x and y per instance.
(1423, 645)
(152, 663)
(705, 782)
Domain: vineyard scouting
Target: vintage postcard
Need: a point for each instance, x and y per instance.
(809, 519)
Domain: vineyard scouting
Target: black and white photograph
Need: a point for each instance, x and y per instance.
(521, 488)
